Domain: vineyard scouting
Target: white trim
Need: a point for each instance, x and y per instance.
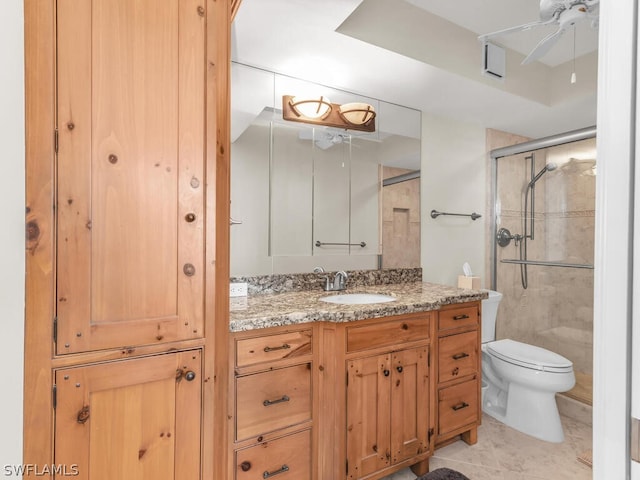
(635, 331)
(616, 118)
(12, 199)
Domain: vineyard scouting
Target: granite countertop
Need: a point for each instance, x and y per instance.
(291, 308)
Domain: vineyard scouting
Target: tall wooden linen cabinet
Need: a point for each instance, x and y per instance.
(127, 237)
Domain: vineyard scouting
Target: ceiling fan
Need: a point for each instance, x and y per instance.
(324, 139)
(563, 13)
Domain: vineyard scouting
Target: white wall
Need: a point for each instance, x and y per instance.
(12, 236)
(453, 180)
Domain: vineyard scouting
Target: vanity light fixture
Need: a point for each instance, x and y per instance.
(319, 111)
(357, 113)
(311, 107)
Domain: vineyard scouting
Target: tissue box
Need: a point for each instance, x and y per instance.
(469, 282)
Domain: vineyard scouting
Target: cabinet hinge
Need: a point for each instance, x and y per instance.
(431, 432)
(55, 329)
(347, 379)
(54, 396)
(55, 140)
(429, 359)
(347, 462)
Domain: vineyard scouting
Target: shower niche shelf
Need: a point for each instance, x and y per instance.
(548, 264)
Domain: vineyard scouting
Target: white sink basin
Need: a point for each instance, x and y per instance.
(357, 298)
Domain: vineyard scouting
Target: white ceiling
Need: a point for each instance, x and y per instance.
(486, 16)
(388, 50)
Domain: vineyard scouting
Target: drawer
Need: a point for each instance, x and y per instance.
(271, 400)
(458, 317)
(287, 458)
(457, 355)
(388, 333)
(457, 406)
(267, 348)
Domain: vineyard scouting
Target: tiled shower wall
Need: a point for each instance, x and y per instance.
(556, 310)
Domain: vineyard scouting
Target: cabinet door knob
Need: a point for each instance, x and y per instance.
(245, 466)
(399, 368)
(189, 376)
(385, 373)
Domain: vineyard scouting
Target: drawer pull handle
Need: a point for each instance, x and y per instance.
(282, 469)
(268, 403)
(284, 346)
(464, 316)
(458, 356)
(460, 406)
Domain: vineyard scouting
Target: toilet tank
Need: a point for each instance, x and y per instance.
(489, 314)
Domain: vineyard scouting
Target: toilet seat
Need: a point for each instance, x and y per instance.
(529, 356)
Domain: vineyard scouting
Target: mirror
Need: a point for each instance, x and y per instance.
(304, 196)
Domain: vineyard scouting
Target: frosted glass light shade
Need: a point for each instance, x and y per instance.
(357, 113)
(311, 107)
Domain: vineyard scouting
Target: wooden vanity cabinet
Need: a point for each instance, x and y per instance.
(388, 413)
(353, 400)
(273, 403)
(458, 382)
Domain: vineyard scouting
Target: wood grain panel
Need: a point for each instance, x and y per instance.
(135, 55)
(457, 356)
(131, 419)
(368, 415)
(267, 348)
(40, 230)
(131, 85)
(458, 317)
(388, 333)
(191, 177)
(286, 392)
(291, 456)
(458, 406)
(409, 403)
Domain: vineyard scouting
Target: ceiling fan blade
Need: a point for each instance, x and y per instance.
(519, 28)
(544, 46)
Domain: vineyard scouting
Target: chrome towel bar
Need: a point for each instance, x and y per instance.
(549, 264)
(322, 244)
(474, 215)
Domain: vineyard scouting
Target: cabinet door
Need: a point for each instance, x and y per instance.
(368, 415)
(137, 419)
(409, 403)
(130, 172)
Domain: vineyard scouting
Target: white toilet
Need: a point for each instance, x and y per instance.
(520, 381)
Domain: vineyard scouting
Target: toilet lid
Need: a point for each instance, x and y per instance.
(529, 356)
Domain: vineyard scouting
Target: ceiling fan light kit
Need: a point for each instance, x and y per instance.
(563, 13)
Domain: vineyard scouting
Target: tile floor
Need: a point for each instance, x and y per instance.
(506, 454)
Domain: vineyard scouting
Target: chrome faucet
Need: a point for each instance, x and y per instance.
(339, 282)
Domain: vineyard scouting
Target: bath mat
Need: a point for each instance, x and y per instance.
(443, 474)
(586, 457)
